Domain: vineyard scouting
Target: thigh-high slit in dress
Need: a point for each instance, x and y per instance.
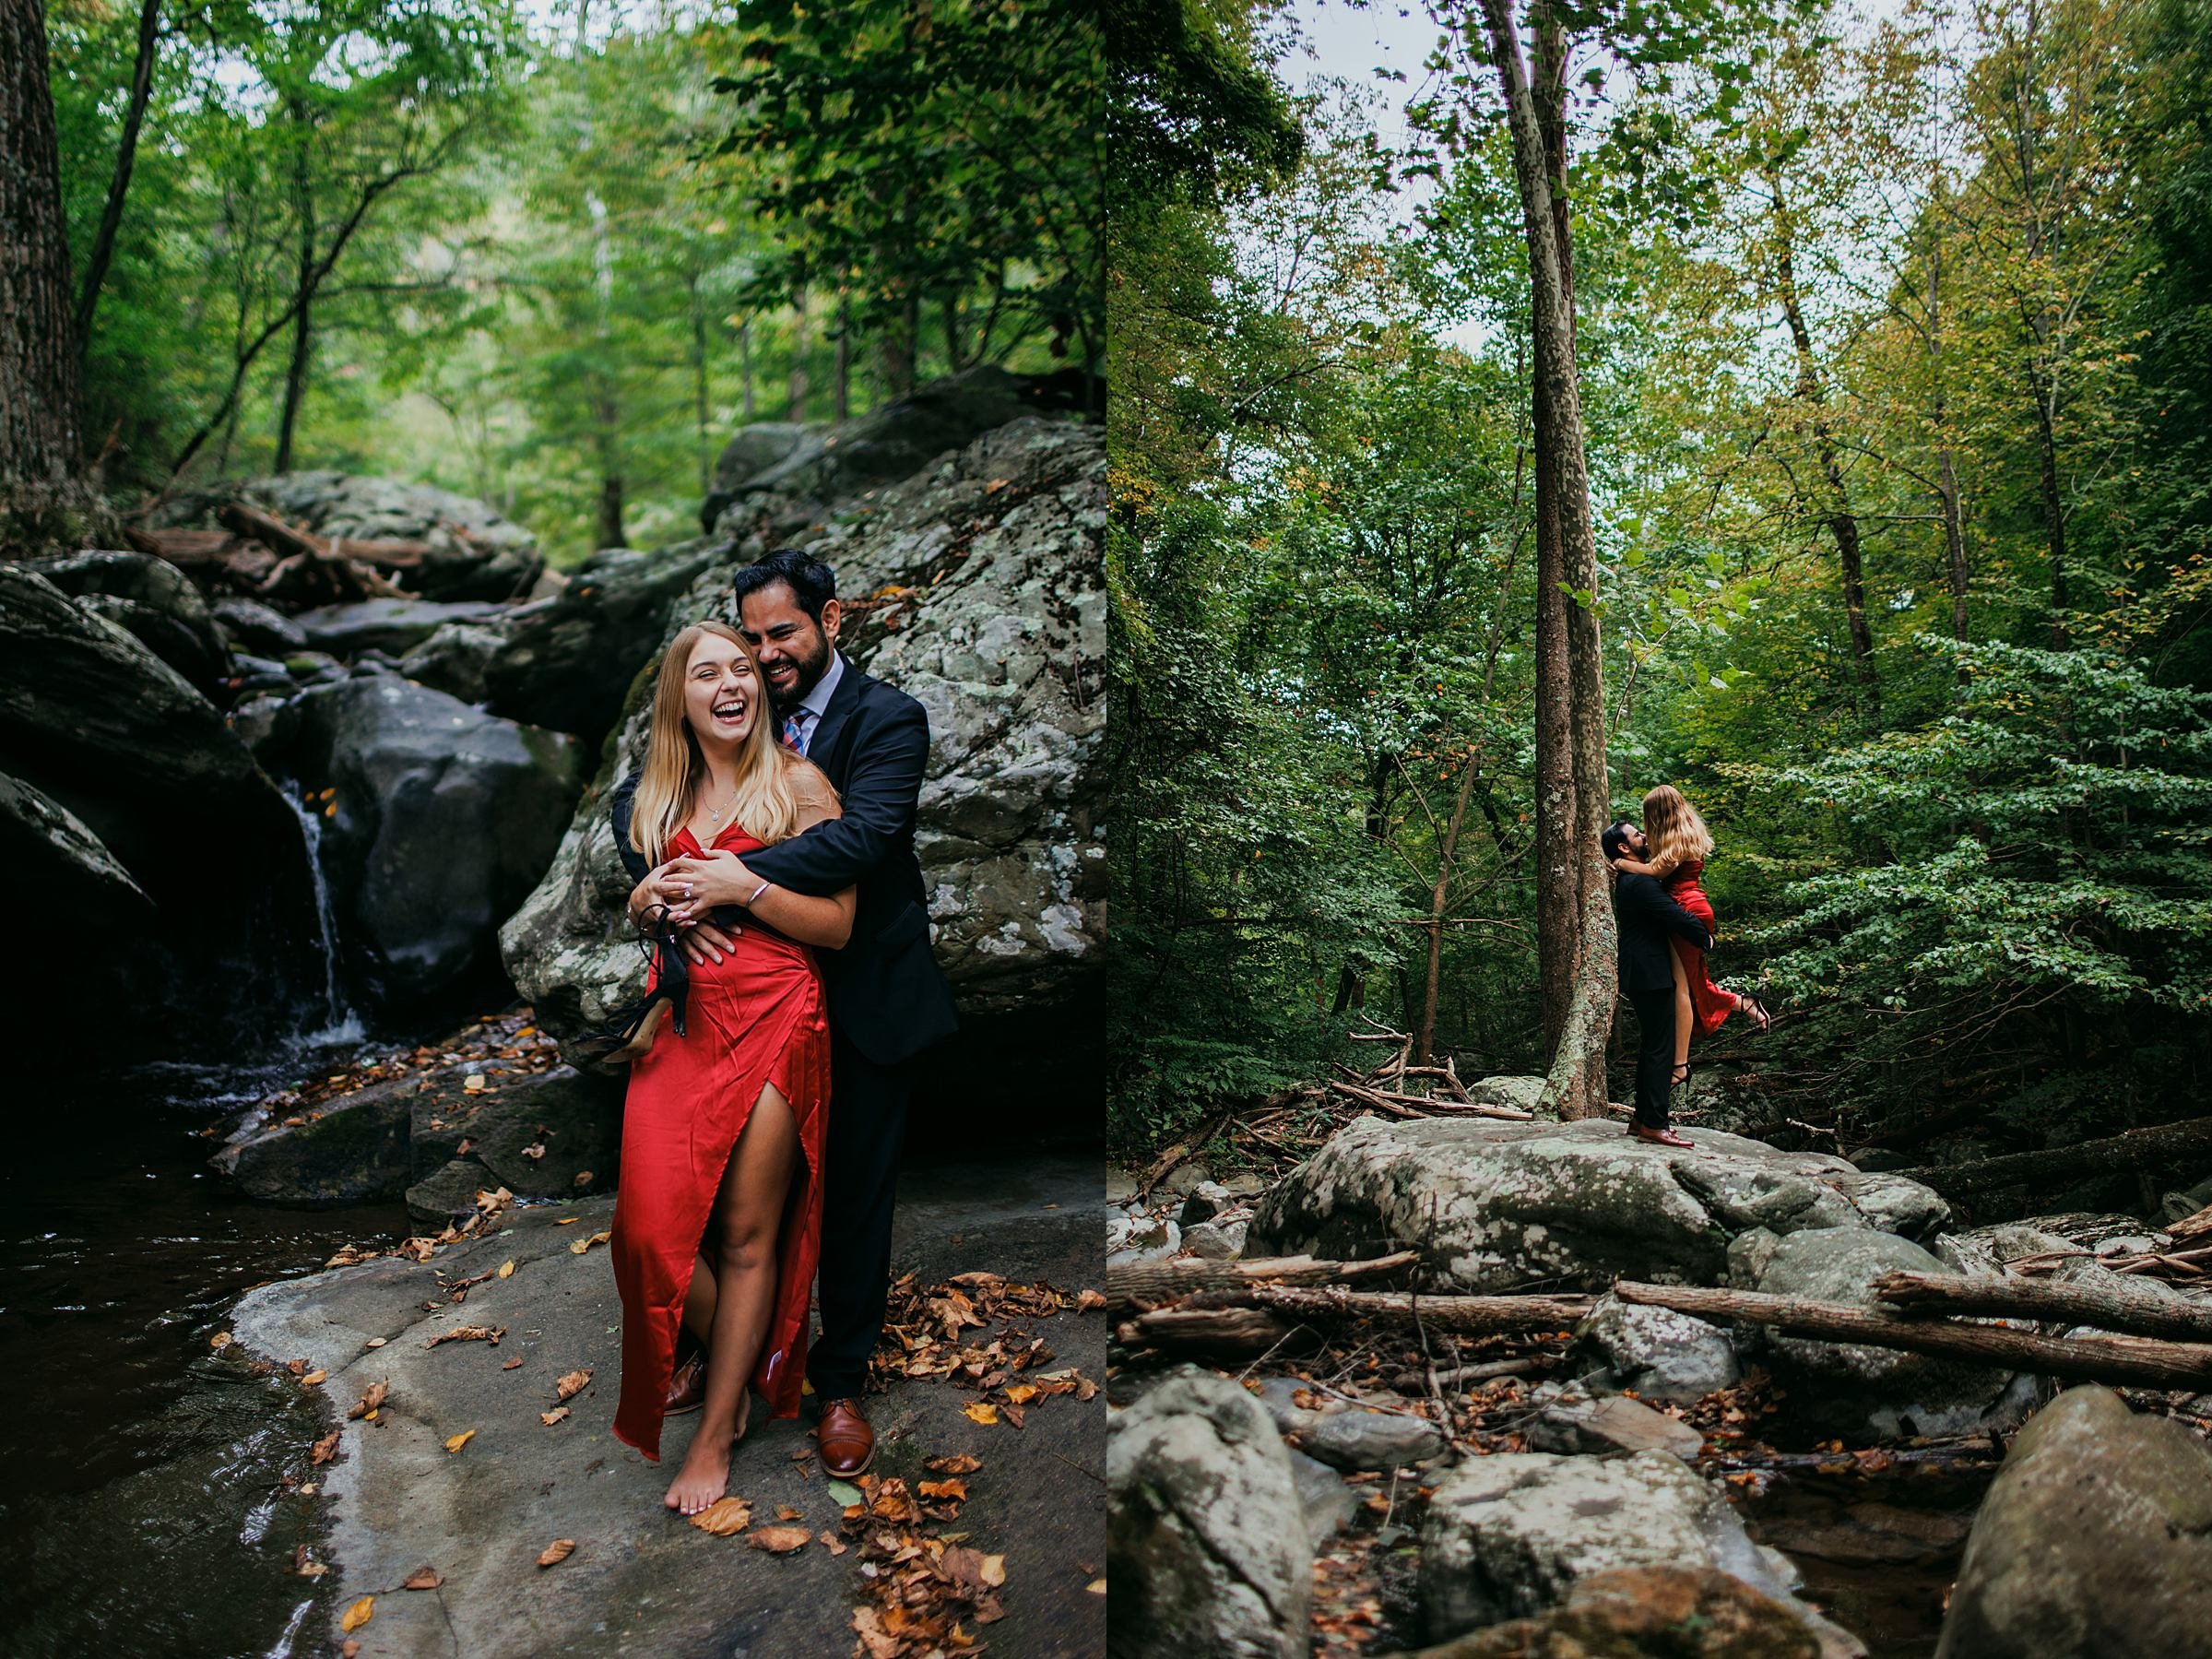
(755, 1018)
(1710, 1004)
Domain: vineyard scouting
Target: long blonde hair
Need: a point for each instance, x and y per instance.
(1675, 832)
(675, 770)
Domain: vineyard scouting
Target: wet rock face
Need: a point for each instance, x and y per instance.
(1493, 1206)
(2096, 1538)
(154, 602)
(1658, 1353)
(977, 588)
(1208, 1542)
(142, 775)
(445, 816)
(1508, 1535)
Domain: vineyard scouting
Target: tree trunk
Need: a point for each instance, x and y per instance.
(797, 395)
(1946, 471)
(898, 349)
(1425, 1040)
(746, 396)
(2111, 1359)
(2137, 1149)
(845, 359)
(606, 442)
(2054, 517)
(295, 373)
(2134, 1309)
(1539, 169)
(1155, 1284)
(1464, 1315)
(44, 502)
(1843, 524)
(126, 155)
(699, 388)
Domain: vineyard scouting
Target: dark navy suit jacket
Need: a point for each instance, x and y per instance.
(1647, 916)
(888, 997)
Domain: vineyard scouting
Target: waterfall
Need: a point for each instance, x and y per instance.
(340, 1024)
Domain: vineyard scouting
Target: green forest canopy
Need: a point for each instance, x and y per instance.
(1894, 367)
(552, 256)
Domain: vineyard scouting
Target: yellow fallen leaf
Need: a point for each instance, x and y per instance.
(558, 1551)
(568, 1221)
(981, 1412)
(314, 1379)
(959, 1464)
(473, 1083)
(994, 1570)
(460, 1440)
(781, 1540)
(724, 1517)
(942, 1489)
(507, 1269)
(220, 1340)
(1096, 1586)
(1021, 1393)
(376, 1341)
(357, 1614)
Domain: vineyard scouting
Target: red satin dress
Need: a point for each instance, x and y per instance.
(756, 1017)
(1709, 1005)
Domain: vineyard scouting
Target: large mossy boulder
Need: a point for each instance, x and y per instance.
(976, 587)
(155, 601)
(473, 552)
(1207, 1542)
(1494, 1206)
(441, 818)
(1658, 1612)
(2096, 1538)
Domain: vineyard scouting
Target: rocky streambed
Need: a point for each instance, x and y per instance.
(1647, 1482)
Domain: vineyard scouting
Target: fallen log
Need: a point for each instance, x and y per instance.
(2136, 1149)
(1209, 1330)
(2121, 1308)
(1422, 1105)
(1149, 1284)
(2135, 1359)
(1463, 1315)
(307, 568)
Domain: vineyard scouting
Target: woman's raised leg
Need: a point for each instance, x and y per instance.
(1686, 1014)
(749, 1211)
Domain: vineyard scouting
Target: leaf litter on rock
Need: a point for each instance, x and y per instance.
(558, 1551)
(725, 1517)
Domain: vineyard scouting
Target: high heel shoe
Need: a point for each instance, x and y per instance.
(1756, 1010)
(629, 1032)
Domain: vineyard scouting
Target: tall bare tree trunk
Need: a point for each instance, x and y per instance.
(1843, 524)
(44, 501)
(845, 359)
(1946, 469)
(295, 373)
(746, 394)
(126, 155)
(2044, 388)
(799, 358)
(699, 388)
(1576, 1080)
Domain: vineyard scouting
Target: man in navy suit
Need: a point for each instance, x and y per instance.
(888, 999)
(1647, 916)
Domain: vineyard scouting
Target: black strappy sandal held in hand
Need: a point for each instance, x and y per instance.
(628, 1033)
(1755, 1009)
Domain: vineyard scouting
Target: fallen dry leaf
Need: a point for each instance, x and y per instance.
(457, 1442)
(469, 1334)
(780, 1540)
(349, 1649)
(1021, 1393)
(551, 1417)
(507, 1269)
(314, 1379)
(357, 1614)
(829, 1542)
(582, 1245)
(1096, 1586)
(372, 1398)
(724, 1517)
(511, 1363)
(941, 1489)
(220, 1340)
(1087, 1299)
(376, 1341)
(572, 1383)
(959, 1464)
(786, 1512)
(423, 1578)
(326, 1448)
(558, 1551)
(307, 1567)
(982, 1411)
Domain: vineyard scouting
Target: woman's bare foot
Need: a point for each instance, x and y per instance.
(705, 1477)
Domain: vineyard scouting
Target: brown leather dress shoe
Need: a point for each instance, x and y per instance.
(849, 1444)
(687, 1385)
(1659, 1137)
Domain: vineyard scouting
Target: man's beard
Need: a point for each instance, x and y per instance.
(811, 670)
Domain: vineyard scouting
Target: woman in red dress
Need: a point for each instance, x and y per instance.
(1679, 845)
(717, 1223)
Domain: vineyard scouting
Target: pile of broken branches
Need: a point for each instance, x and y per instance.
(2017, 1321)
(1398, 1088)
(260, 554)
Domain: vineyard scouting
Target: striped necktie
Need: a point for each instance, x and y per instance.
(795, 730)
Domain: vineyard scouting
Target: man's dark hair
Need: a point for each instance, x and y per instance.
(812, 583)
(1614, 839)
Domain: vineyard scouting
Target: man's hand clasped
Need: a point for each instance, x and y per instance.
(693, 889)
